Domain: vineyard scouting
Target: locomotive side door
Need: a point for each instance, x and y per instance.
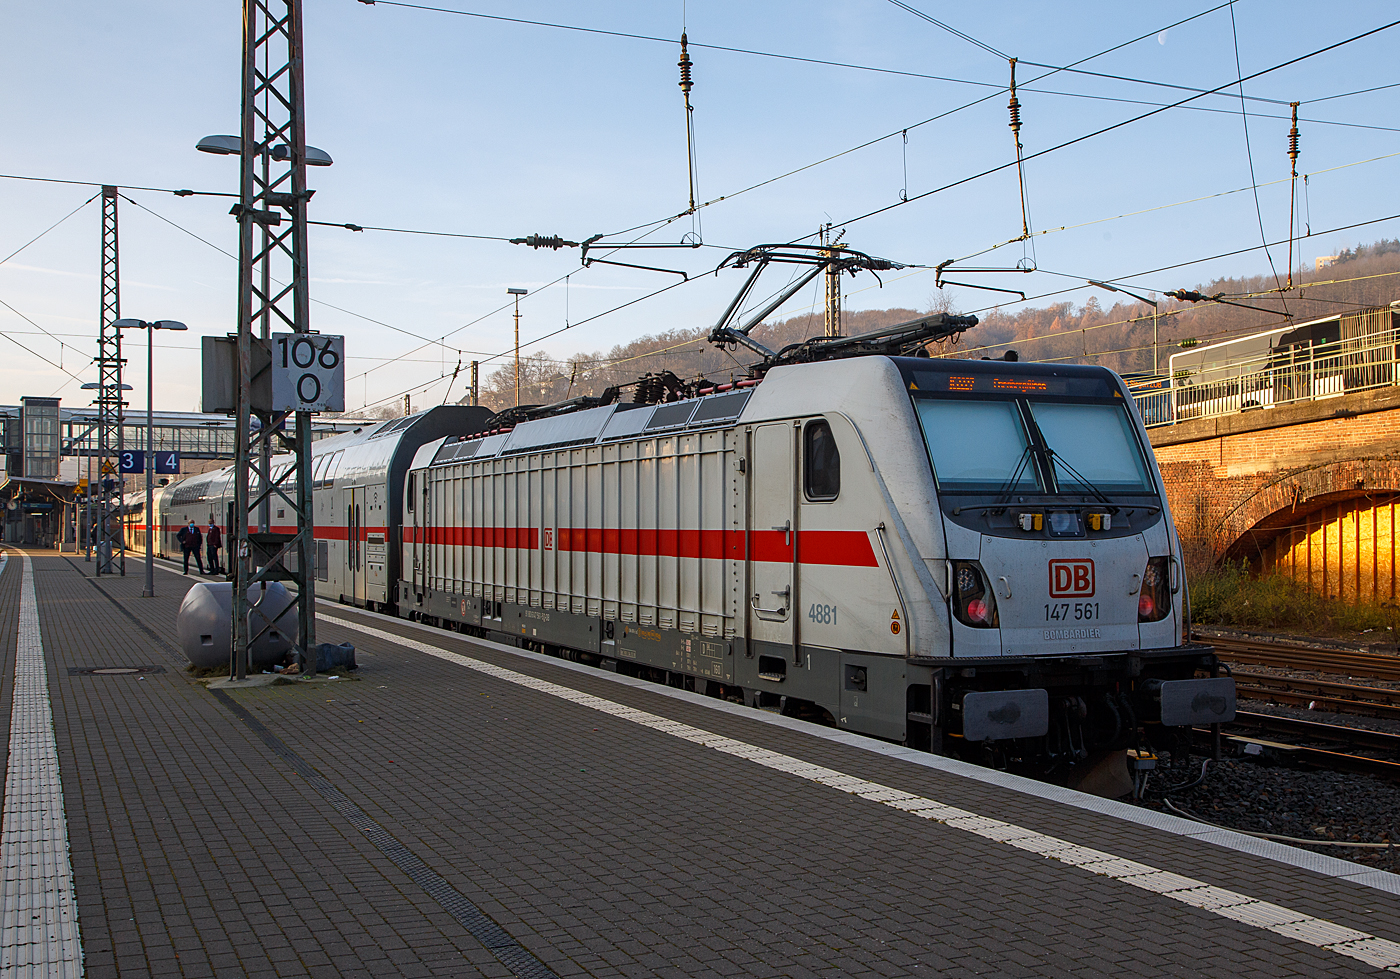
(772, 537)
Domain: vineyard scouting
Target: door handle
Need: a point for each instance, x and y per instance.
(786, 594)
(786, 528)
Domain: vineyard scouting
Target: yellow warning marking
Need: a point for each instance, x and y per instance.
(894, 614)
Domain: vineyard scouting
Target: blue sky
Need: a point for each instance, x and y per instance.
(460, 124)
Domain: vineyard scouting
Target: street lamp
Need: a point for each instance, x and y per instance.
(1142, 299)
(150, 328)
(517, 293)
(233, 146)
(315, 157)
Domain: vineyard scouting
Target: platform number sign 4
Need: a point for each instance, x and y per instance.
(308, 372)
(134, 461)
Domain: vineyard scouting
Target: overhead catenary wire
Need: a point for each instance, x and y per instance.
(97, 183)
(1117, 125)
(1163, 207)
(30, 351)
(950, 29)
(903, 130)
(51, 227)
(1168, 268)
(1249, 154)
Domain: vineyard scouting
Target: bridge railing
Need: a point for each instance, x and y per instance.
(1278, 378)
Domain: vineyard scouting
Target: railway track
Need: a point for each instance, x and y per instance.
(1327, 695)
(1306, 739)
(1349, 662)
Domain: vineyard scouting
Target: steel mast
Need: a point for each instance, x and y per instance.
(272, 198)
(111, 544)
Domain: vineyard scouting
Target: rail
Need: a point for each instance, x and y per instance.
(1281, 377)
(1348, 662)
(1327, 695)
(1311, 733)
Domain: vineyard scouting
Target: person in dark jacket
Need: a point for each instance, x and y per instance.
(212, 542)
(191, 540)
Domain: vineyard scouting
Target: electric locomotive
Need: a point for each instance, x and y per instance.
(964, 556)
(972, 557)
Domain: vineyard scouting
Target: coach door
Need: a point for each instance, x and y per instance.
(355, 542)
(772, 545)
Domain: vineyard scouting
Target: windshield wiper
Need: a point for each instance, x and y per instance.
(1009, 487)
(1055, 458)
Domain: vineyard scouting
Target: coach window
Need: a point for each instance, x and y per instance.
(821, 462)
(332, 467)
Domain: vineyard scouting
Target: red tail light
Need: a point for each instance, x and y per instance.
(973, 602)
(1155, 599)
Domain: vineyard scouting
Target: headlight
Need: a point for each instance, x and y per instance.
(973, 602)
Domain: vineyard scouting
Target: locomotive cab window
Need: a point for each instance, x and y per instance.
(821, 462)
(412, 486)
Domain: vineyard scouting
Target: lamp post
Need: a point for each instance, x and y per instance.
(517, 293)
(266, 153)
(150, 328)
(1142, 299)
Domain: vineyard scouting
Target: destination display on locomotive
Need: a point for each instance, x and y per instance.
(955, 382)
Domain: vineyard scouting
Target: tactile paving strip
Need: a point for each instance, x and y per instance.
(39, 916)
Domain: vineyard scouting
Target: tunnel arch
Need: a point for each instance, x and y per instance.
(1331, 527)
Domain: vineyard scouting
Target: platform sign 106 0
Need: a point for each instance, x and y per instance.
(308, 372)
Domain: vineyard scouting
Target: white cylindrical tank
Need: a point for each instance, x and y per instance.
(205, 621)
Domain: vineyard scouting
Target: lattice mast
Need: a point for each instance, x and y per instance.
(111, 543)
(272, 200)
(832, 320)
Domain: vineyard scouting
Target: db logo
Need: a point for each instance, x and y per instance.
(1072, 578)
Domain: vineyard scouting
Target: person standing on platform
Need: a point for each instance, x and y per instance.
(191, 541)
(212, 542)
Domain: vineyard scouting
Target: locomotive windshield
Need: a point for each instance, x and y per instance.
(1020, 445)
(978, 445)
(1092, 447)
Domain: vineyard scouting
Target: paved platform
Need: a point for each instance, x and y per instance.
(463, 809)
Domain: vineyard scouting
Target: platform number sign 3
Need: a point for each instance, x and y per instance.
(308, 372)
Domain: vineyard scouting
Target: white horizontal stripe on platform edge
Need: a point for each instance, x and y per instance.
(1317, 863)
(1318, 932)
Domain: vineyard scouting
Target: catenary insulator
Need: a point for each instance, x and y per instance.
(685, 64)
(1293, 135)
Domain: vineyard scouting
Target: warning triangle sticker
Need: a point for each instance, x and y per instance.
(894, 614)
(913, 386)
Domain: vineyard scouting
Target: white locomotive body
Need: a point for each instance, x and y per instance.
(911, 548)
(964, 556)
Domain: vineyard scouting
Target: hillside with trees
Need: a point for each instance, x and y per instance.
(1117, 336)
